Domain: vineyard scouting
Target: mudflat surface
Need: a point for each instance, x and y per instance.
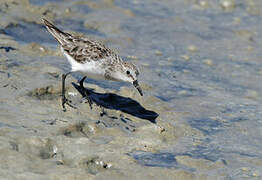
(201, 74)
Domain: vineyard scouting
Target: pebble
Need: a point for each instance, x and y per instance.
(72, 93)
(244, 169)
(158, 53)
(228, 5)
(252, 94)
(133, 57)
(237, 21)
(169, 59)
(185, 57)
(182, 92)
(208, 62)
(37, 47)
(203, 4)
(192, 48)
(67, 10)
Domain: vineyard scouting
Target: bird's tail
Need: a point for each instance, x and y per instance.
(59, 35)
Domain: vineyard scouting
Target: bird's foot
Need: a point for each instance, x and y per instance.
(68, 102)
(103, 112)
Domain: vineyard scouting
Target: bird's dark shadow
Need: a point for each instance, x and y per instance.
(116, 102)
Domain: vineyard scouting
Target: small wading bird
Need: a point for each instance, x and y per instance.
(92, 59)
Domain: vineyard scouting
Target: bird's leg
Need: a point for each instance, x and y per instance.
(64, 99)
(85, 92)
(103, 112)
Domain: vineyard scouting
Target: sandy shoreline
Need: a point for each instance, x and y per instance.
(200, 67)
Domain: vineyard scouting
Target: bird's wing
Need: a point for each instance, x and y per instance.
(59, 35)
(81, 49)
(84, 50)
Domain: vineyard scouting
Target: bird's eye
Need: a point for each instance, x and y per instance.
(127, 72)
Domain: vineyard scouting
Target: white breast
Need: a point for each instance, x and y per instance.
(92, 69)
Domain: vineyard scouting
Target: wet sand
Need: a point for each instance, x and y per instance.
(201, 74)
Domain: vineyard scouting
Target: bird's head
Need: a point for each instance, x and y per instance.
(128, 73)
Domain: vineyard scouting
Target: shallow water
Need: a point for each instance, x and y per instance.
(202, 62)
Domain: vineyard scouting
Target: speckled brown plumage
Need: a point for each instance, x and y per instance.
(92, 58)
(81, 49)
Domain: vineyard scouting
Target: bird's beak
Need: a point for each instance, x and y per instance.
(135, 83)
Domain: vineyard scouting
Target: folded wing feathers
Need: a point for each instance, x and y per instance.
(59, 35)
